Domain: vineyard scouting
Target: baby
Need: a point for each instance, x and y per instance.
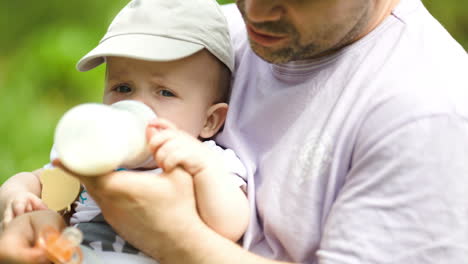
(175, 57)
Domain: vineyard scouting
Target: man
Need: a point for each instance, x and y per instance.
(351, 118)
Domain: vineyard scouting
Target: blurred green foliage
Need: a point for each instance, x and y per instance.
(40, 44)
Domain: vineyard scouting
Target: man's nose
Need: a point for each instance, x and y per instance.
(258, 11)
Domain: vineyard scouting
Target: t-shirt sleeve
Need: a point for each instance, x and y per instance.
(233, 164)
(236, 168)
(235, 23)
(405, 199)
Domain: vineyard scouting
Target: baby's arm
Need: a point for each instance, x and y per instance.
(20, 194)
(222, 205)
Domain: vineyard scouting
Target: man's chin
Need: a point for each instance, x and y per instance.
(285, 54)
(271, 55)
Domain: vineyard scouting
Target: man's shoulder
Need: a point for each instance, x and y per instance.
(235, 23)
(232, 14)
(416, 61)
(423, 41)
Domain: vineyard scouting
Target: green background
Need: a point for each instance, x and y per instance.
(40, 44)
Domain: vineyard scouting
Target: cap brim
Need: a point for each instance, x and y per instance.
(138, 46)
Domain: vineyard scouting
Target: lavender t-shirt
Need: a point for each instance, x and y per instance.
(359, 157)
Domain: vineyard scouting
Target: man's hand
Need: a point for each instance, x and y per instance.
(157, 214)
(151, 211)
(17, 242)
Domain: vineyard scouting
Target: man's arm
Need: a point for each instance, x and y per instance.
(168, 226)
(405, 198)
(204, 246)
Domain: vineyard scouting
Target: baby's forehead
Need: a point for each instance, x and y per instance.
(201, 70)
(203, 63)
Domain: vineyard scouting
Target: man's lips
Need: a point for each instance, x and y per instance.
(264, 39)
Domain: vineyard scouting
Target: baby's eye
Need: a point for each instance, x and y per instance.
(166, 93)
(123, 88)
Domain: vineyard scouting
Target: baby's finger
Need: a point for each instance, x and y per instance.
(161, 124)
(160, 138)
(166, 158)
(175, 160)
(150, 132)
(18, 208)
(160, 156)
(171, 155)
(28, 208)
(7, 217)
(38, 204)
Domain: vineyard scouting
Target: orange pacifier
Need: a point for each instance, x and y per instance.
(62, 248)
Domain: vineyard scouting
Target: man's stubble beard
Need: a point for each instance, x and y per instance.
(294, 50)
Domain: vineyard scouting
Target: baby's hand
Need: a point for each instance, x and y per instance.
(173, 147)
(21, 203)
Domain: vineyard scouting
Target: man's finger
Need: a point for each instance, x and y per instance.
(25, 256)
(110, 185)
(18, 245)
(90, 180)
(57, 163)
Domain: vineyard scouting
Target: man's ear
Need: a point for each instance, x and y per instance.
(215, 117)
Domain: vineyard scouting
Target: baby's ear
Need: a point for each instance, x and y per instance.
(215, 117)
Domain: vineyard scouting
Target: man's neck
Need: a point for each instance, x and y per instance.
(382, 9)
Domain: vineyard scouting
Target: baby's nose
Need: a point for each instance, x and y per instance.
(145, 100)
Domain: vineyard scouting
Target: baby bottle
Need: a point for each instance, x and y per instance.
(92, 139)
